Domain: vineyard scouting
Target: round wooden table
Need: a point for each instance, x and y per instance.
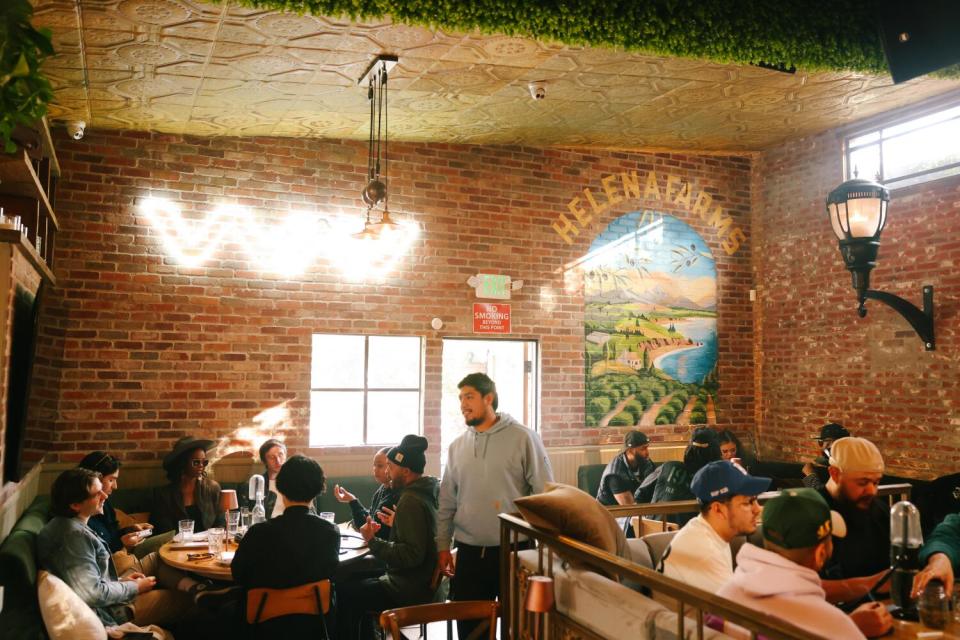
(208, 567)
(352, 546)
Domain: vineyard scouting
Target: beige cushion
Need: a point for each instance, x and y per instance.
(64, 614)
(571, 512)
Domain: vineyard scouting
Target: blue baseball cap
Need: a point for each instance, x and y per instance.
(723, 479)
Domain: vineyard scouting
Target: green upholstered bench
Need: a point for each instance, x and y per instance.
(20, 618)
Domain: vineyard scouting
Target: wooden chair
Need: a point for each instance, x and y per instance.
(394, 619)
(265, 604)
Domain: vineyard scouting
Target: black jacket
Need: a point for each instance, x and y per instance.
(294, 548)
(384, 496)
(411, 552)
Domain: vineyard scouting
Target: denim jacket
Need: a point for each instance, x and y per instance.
(70, 550)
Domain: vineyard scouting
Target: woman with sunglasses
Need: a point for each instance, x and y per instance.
(191, 495)
(105, 524)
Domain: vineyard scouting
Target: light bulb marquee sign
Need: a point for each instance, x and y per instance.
(287, 245)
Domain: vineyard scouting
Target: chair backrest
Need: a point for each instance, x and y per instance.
(310, 599)
(657, 543)
(588, 477)
(395, 619)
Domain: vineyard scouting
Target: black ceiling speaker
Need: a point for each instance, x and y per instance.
(919, 37)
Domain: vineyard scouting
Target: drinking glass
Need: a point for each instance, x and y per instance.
(186, 530)
(233, 523)
(329, 516)
(245, 519)
(934, 605)
(215, 541)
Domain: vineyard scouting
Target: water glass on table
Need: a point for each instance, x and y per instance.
(245, 519)
(329, 516)
(185, 527)
(233, 524)
(215, 542)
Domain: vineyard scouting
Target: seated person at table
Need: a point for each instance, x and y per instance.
(273, 454)
(623, 475)
(295, 548)
(699, 553)
(383, 502)
(671, 480)
(105, 524)
(121, 541)
(191, 495)
(940, 555)
(856, 467)
(70, 550)
(781, 579)
(411, 552)
(816, 473)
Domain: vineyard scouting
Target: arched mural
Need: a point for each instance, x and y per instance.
(650, 329)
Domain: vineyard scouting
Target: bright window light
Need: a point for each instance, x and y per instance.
(364, 389)
(907, 151)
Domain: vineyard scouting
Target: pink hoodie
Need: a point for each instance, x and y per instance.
(779, 587)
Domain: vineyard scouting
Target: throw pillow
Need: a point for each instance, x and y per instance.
(65, 615)
(571, 512)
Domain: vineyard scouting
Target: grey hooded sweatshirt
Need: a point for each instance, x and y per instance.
(485, 473)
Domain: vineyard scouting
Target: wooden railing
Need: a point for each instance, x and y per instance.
(892, 492)
(692, 603)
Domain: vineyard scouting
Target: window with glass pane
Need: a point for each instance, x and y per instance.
(364, 389)
(907, 151)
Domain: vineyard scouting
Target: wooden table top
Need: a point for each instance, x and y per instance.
(903, 629)
(352, 546)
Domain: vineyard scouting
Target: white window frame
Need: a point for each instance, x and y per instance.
(879, 129)
(366, 389)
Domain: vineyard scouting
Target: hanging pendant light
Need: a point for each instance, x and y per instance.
(376, 189)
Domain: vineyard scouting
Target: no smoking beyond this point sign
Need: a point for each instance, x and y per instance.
(491, 318)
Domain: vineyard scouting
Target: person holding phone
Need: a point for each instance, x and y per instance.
(106, 524)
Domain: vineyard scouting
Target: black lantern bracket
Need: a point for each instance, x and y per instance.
(920, 320)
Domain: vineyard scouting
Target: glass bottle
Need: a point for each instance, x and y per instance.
(906, 538)
(256, 492)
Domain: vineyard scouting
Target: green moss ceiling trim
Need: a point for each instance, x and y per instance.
(813, 35)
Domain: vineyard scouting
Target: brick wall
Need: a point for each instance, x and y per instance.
(139, 350)
(817, 360)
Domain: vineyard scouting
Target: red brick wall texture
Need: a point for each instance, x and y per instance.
(138, 349)
(817, 360)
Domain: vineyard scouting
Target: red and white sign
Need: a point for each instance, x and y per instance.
(491, 318)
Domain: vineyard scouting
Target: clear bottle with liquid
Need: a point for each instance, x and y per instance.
(906, 538)
(256, 492)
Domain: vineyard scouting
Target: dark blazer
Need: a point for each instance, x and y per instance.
(294, 548)
(168, 507)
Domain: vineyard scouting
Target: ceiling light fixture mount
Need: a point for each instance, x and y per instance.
(376, 189)
(858, 213)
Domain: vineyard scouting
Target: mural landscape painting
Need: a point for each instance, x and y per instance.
(650, 334)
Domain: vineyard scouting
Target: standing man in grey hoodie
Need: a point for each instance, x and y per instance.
(494, 462)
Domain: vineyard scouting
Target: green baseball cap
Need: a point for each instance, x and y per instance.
(800, 518)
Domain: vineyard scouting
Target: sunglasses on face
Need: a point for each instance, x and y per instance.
(200, 463)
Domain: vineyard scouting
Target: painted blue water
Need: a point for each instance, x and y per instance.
(693, 364)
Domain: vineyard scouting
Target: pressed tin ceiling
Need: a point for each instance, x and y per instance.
(185, 67)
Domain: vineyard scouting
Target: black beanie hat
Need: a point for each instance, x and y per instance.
(410, 453)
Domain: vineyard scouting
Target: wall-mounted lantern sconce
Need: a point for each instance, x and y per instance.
(858, 212)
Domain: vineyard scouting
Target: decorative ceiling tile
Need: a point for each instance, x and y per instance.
(155, 12)
(185, 66)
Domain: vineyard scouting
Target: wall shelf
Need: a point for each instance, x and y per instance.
(28, 181)
(14, 237)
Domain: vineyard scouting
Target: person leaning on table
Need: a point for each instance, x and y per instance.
(297, 547)
(190, 495)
